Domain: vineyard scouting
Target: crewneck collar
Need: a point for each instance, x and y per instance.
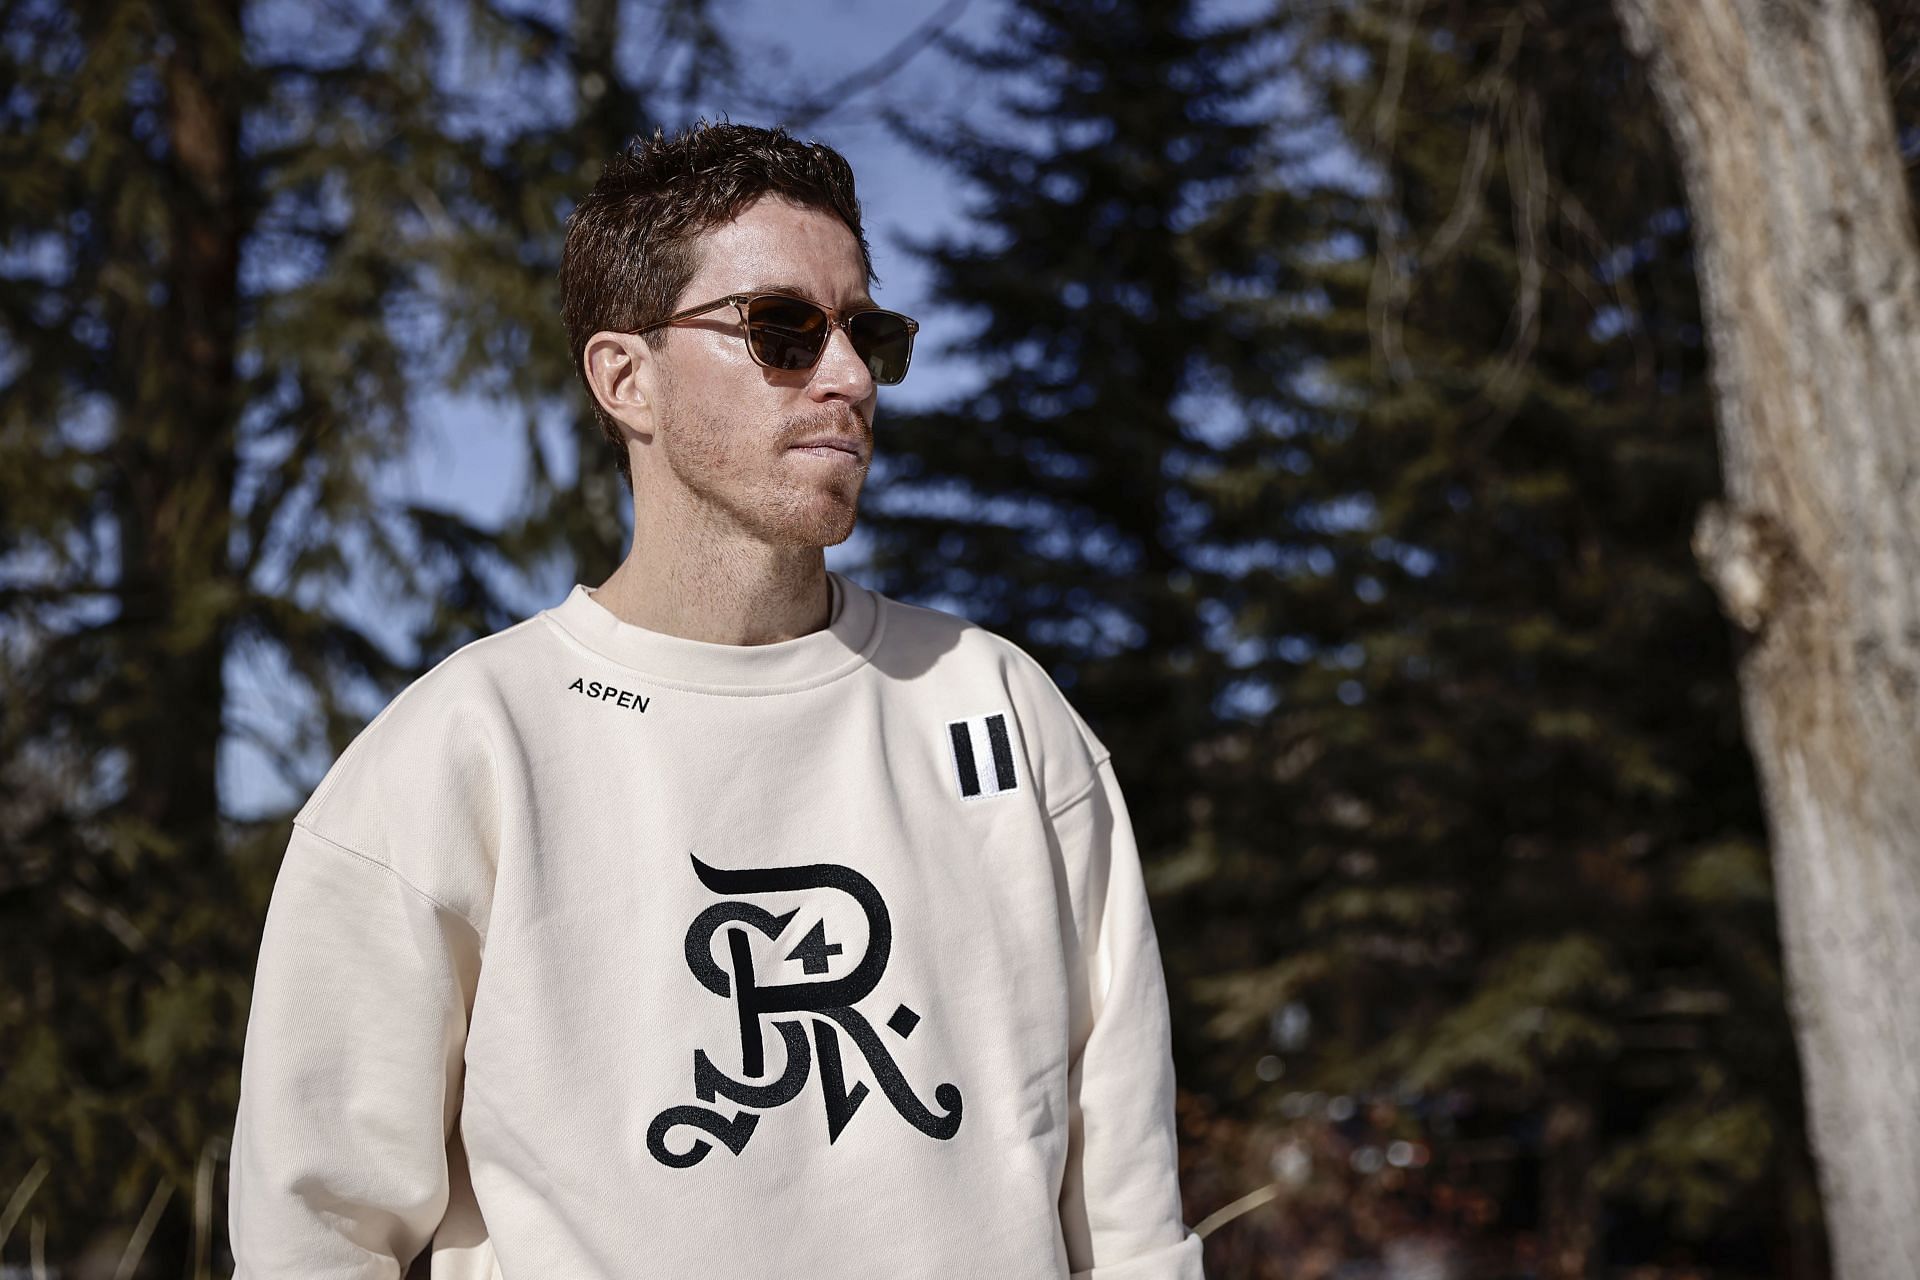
(845, 643)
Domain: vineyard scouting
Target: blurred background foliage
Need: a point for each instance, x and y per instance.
(1342, 417)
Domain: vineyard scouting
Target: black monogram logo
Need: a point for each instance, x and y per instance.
(831, 1001)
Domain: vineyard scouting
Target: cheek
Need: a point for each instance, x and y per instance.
(699, 446)
(714, 451)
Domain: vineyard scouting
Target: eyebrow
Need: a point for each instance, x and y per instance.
(862, 301)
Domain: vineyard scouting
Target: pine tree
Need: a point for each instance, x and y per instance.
(240, 242)
(1058, 503)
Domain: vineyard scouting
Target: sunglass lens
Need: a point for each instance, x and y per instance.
(787, 333)
(885, 341)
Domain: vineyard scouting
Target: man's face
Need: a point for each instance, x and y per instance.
(725, 426)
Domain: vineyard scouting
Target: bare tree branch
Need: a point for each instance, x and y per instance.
(835, 96)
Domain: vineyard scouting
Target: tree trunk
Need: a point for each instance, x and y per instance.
(1810, 283)
(176, 586)
(1569, 1200)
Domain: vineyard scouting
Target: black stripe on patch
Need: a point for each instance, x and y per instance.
(963, 758)
(1002, 751)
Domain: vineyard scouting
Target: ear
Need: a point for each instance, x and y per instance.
(623, 371)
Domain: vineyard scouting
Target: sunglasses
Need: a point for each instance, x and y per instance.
(789, 333)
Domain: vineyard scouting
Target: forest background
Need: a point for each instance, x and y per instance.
(1319, 390)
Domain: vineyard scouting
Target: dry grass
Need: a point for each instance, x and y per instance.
(200, 1264)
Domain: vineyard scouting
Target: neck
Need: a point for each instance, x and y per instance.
(709, 580)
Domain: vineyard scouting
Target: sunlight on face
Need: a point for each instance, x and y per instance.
(727, 425)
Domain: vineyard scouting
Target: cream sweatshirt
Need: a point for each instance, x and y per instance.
(607, 953)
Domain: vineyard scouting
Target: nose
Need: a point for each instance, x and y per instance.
(841, 373)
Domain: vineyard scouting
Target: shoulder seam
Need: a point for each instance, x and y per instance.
(395, 873)
(1060, 695)
(326, 783)
(1092, 783)
(1094, 758)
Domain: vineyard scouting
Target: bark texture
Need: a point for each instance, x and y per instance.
(1811, 286)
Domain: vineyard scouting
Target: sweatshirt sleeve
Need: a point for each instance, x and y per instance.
(1120, 1197)
(351, 1073)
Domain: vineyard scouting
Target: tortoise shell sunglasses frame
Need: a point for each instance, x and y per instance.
(775, 346)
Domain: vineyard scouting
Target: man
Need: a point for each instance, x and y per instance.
(727, 918)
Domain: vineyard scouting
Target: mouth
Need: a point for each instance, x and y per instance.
(830, 449)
